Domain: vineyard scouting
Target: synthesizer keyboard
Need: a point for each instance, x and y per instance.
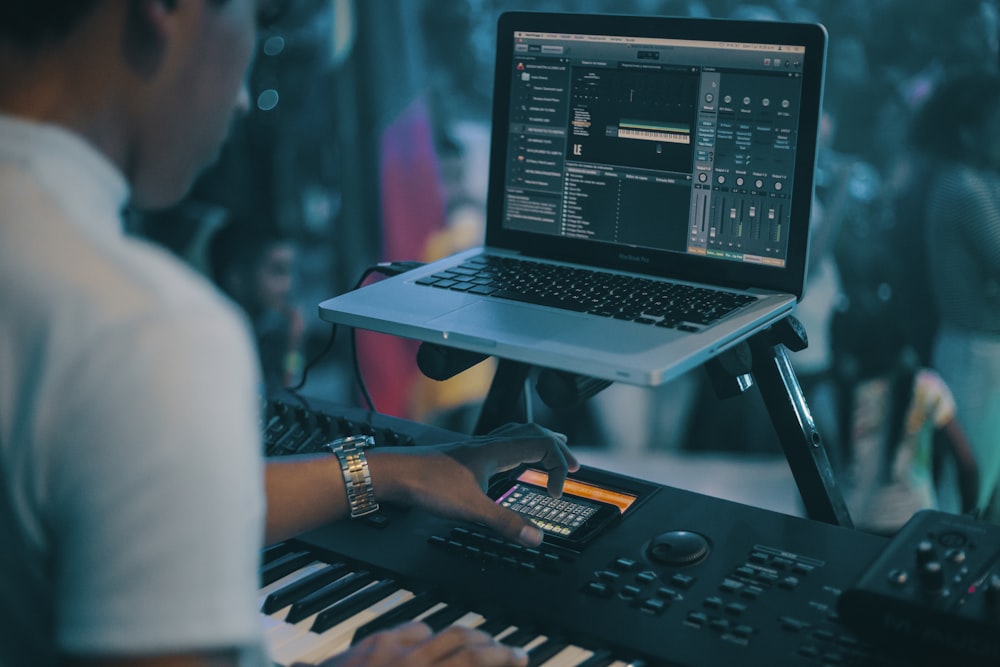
(681, 579)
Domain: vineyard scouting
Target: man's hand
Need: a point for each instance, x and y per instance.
(414, 645)
(450, 480)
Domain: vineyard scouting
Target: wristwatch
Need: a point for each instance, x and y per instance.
(350, 451)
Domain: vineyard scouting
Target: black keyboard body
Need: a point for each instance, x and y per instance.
(681, 579)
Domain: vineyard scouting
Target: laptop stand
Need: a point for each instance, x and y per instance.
(761, 359)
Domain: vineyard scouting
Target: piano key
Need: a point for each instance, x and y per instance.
(310, 647)
(262, 594)
(470, 620)
(601, 659)
(494, 627)
(338, 639)
(438, 606)
(534, 642)
(520, 637)
(541, 652)
(272, 551)
(302, 586)
(348, 606)
(419, 604)
(570, 656)
(327, 595)
(282, 626)
(442, 618)
(284, 564)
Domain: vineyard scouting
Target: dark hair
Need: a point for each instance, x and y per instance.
(31, 23)
(237, 248)
(960, 102)
(868, 339)
(34, 23)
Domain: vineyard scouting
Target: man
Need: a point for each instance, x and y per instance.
(255, 268)
(132, 496)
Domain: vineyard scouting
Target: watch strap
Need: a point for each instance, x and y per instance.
(350, 452)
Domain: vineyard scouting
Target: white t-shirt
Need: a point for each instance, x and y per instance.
(131, 481)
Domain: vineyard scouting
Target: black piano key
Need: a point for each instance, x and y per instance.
(397, 615)
(283, 565)
(493, 626)
(283, 597)
(547, 649)
(327, 595)
(352, 604)
(272, 551)
(599, 659)
(441, 619)
(520, 637)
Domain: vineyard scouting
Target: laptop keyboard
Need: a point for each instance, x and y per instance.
(672, 305)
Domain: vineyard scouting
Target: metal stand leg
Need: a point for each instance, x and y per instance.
(762, 359)
(505, 401)
(794, 424)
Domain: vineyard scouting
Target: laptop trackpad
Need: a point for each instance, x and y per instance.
(504, 321)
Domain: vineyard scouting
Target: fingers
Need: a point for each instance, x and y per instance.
(537, 444)
(511, 525)
(459, 646)
(389, 648)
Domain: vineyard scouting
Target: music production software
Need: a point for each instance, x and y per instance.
(657, 143)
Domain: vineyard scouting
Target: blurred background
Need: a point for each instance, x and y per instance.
(368, 141)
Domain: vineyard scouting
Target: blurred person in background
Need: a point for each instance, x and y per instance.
(958, 130)
(892, 415)
(256, 268)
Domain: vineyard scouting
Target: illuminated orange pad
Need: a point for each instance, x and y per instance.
(581, 489)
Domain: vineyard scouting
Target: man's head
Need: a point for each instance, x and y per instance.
(31, 24)
(255, 266)
(154, 84)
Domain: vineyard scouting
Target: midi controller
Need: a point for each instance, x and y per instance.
(679, 578)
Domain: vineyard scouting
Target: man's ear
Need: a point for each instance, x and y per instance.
(149, 25)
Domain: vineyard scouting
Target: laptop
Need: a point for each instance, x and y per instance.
(647, 156)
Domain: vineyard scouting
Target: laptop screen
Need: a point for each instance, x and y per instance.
(674, 146)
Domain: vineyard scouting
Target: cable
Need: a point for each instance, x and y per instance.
(387, 269)
(358, 377)
(312, 362)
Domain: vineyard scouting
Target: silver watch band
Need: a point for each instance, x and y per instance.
(357, 477)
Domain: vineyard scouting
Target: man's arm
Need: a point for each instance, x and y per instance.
(304, 492)
(207, 659)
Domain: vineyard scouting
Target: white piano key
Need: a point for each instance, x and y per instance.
(284, 630)
(278, 632)
(433, 610)
(540, 639)
(287, 642)
(571, 656)
(470, 620)
(282, 633)
(311, 647)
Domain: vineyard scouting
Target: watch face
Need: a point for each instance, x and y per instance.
(351, 442)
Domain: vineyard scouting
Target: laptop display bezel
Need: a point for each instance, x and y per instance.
(741, 275)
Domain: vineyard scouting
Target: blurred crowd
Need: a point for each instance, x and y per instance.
(906, 225)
